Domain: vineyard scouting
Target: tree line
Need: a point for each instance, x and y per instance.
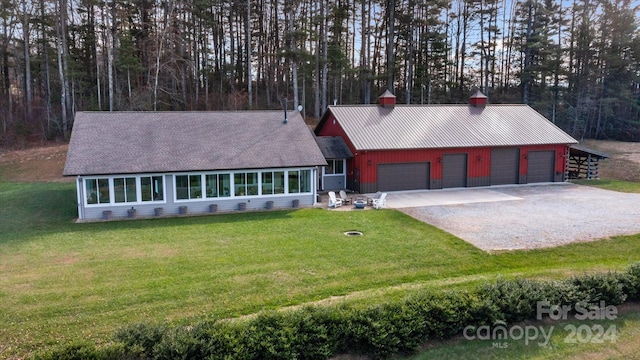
(577, 62)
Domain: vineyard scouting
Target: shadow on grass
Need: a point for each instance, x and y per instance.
(35, 206)
(34, 209)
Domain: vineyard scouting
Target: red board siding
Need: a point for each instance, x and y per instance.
(560, 160)
(367, 162)
(479, 163)
(479, 160)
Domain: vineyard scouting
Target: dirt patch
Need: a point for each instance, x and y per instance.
(41, 164)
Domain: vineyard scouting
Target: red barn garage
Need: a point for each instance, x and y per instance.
(410, 147)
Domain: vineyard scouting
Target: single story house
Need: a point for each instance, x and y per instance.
(408, 147)
(160, 163)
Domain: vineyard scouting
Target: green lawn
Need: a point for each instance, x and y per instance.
(60, 280)
(608, 184)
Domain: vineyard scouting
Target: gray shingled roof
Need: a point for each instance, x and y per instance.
(333, 147)
(149, 142)
(372, 127)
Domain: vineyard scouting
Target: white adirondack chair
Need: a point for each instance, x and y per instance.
(380, 202)
(344, 198)
(333, 201)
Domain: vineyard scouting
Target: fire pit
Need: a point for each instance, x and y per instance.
(359, 204)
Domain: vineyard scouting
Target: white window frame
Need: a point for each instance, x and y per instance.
(299, 170)
(217, 175)
(164, 188)
(334, 161)
(112, 199)
(232, 185)
(273, 188)
(188, 175)
(84, 191)
(126, 201)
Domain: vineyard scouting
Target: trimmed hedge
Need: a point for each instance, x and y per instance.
(320, 332)
(517, 300)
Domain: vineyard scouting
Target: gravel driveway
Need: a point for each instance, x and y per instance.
(540, 216)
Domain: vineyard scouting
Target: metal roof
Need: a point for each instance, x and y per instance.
(148, 142)
(580, 150)
(372, 127)
(333, 147)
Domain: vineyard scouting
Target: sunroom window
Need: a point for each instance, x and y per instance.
(217, 185)
(97, 191)
(245, 183)
(272, 182)
(299, 181)
(152, 188)
(195, 186)
(124, 190)
(305, 181)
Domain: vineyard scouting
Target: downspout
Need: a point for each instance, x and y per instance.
(315, 186)
(79, 196)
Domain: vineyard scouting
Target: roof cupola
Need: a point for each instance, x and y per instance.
(478, 99)
(387, 100)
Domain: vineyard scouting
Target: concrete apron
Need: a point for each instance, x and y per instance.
(420, 198)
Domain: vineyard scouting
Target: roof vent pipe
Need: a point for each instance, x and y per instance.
(284, 106)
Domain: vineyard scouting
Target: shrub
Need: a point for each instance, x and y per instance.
(383, 330)
(181, 343)
(270, 336)
(516, 299)
(607, 287)
(140, 339)
(447, 314)
(396, 327)
(316, 335)
(223, 339)
(631, 282)
(84, 351)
